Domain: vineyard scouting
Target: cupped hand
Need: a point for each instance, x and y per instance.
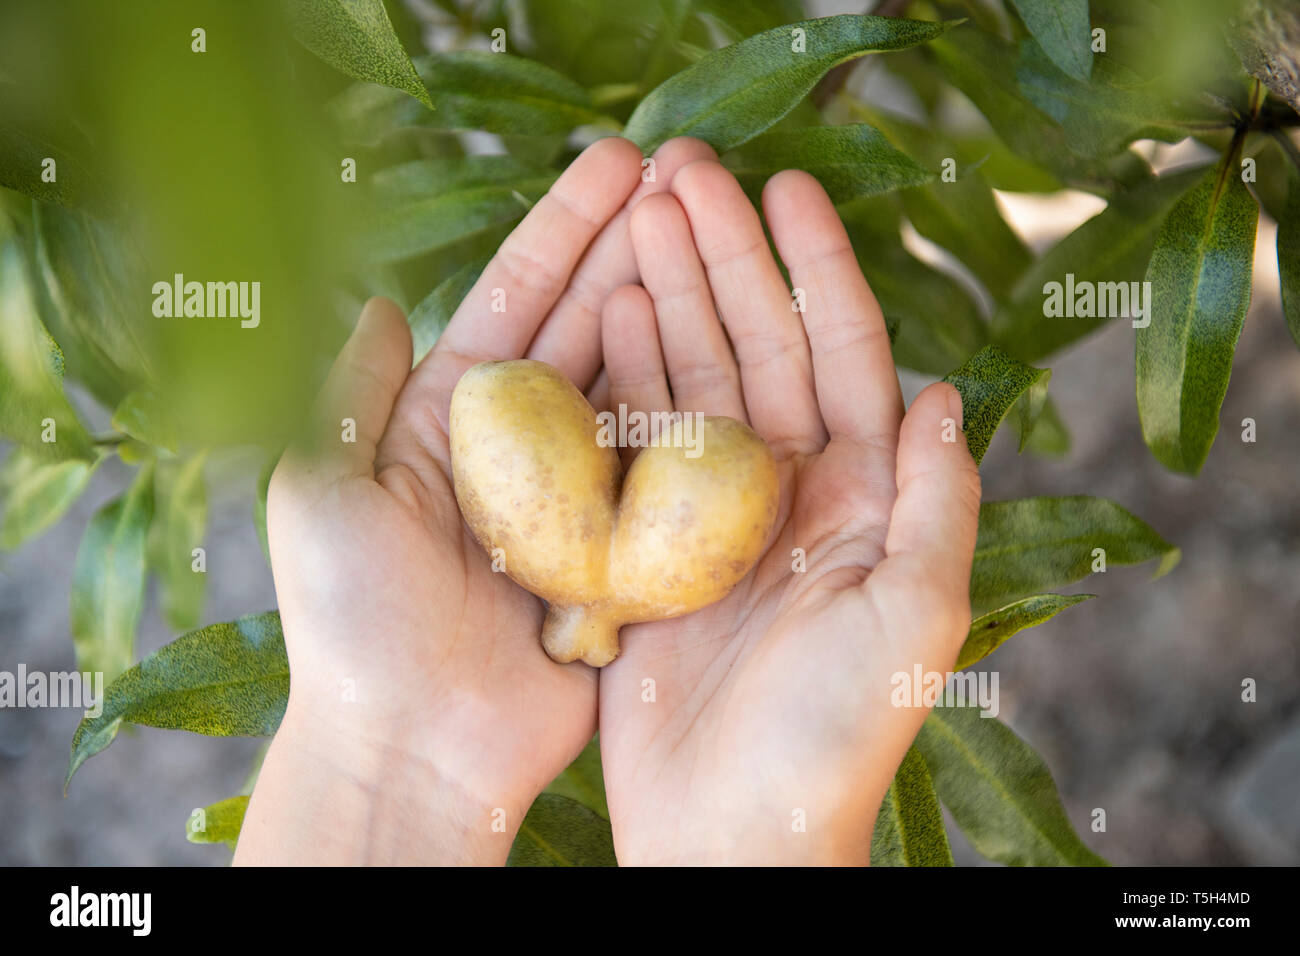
(761, 729)
(418, 685)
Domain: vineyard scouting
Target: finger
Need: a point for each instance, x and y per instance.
(598, 394)
(696, 353)
(857, 385)
(931, 540)
(754, 303)
(633, 362)
(527, 274)
(350, 413)
(569, 339)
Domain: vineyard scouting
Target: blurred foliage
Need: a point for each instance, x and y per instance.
(134, 151)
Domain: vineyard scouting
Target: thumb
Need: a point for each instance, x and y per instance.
(931, 540)
(353, 407)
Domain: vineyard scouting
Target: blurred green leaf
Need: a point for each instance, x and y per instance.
(744, 18)
(849, 161)
(1049, 437)
(938, 323)
(1102, 116)
(561, 832)
(91, 288)
(583, 780)
(475, 90)
(224, 680)
(31, 365)
(989, 631)
(37, 494)
(1200, 275)
(219, 823)
(141, 415)
(963, 217)
(26, 143)
(180, 520)
(1112, 247)
(999, 791)
(991, 382)
(1030, 545)
(733, 94)
(411, 228)
(1063, 29)
(259, 504)
(1288, 255)
(108, 580)
(909, 828)
(356, 38)
(435, 310)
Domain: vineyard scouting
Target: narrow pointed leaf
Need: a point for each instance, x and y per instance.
(999, 791)
(849, 161)
(37, 494)
(108, 580)
(180, 520)
(1064, 30)
(1109, 252)
(989, 631)
(991, 382)
(909, 828)
(1200, 275)
(1029, 545)
(435, 310)
(218, 823)
(357, 38)
(733, 94)
(559, 831)
(224, 680)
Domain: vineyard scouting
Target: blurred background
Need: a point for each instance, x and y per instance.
(1134, 699)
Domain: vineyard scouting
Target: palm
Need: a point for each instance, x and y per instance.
(754, 712)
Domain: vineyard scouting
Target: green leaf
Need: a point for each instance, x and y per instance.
(1050, 437)
(223, 680)
(91, 286)
(990, 383)
(1200, 275)
(733, 94)
(37, 494)
(259, 504)
(561, 832)
(435, 310)
(989, 631)
(357, 38)
(1029, 545)
(584, 780)
(849, 161)
(475, 90)
(218, 823)
(1100, 117)
(964, 218)
(1288, 255)
(1112, 247)
(938, 325)
(31, 393)
(426, 178)
(1064, 30)
(108, 580)
(425, 225)
(139, 415)
(999, 791)
(180, 519)
(909, 828)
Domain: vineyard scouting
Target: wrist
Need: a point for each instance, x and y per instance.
(338, 791)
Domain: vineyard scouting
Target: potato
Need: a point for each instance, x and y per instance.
(540, 492)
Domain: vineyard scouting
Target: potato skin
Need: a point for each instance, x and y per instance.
(532, 480)
(690, 528)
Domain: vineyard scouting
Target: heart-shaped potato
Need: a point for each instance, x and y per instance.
(542, 489)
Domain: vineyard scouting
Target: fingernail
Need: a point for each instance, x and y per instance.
(954, 406)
